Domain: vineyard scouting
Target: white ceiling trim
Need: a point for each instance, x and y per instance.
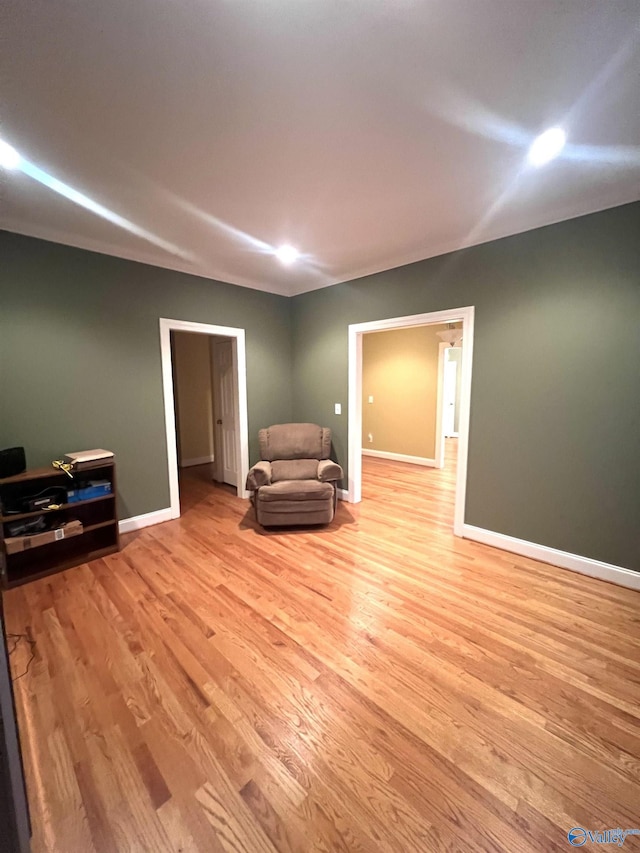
(89, 245)
(562, 215)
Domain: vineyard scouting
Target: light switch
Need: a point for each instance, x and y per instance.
(338, 409)
(371, 398)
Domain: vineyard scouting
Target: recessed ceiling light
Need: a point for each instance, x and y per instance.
(287, 254)
(9, 157)
(546, 146)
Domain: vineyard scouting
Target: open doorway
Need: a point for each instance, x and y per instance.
(463, 316)
(205, 396)
(193, 394)
(206, 409)
(405, 373)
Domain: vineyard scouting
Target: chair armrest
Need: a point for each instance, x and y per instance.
(329, 471)
(259, 475)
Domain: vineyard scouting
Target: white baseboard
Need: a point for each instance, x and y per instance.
(343, 494)
(137, 522)
(198, 460)
(563, 559)
(400, 457)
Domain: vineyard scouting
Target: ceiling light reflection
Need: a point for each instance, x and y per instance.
(10, 158)
(287, 254)
(547, 146)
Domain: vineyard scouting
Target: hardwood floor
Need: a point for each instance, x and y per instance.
(378, 685)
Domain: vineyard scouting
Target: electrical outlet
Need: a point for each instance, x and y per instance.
(370, 437)
(371, 398)
(338, 408)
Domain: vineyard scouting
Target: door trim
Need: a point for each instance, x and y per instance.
(355, 333)
(238, 337)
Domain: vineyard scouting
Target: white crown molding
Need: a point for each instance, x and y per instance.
(401, 457)
(423, 254)
(137, 522)
(89, 245)
(575, 211)
(563, 559)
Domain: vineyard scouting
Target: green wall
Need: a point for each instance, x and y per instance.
(80, 357)
(554, 448)
(554, 453)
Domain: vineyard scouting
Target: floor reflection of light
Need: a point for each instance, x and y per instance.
(12, 159)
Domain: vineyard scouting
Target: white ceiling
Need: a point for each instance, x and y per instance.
(368, 133)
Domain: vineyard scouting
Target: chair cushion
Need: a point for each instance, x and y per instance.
(294, 469)
(295, 441)
(296, 490)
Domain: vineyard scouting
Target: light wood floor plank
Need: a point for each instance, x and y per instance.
(374, 686)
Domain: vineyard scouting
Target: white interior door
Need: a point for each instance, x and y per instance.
(226, 412)
(449, 397)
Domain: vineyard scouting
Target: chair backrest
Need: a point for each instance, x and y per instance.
(294, 441)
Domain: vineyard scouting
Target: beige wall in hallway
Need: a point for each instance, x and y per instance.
(400, 371)
(193, 394)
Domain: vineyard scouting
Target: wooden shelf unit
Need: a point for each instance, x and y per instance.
(99, 519)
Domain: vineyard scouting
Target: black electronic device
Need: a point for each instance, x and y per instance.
(47, 498)
(27, 526)
(41, 503)
(12, 461)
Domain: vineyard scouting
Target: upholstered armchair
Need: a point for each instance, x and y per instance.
(295, 481)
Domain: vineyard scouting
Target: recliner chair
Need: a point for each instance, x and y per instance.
(295, 481)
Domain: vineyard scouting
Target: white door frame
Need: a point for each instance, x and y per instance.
(238, 337)
(356, 331)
